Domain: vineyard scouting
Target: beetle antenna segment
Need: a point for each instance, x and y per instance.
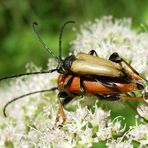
(20, 97)
(60, 37)
(42, 42)
(26, 74)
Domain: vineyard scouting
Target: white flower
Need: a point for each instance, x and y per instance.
(99, 117)
(139, 134)
(86, 137)
(143, 111)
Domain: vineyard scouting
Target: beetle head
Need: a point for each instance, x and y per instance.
(65, 65)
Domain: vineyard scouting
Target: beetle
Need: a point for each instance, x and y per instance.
(87, 74)
(104, 87)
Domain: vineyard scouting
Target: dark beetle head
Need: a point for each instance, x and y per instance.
(68, 62)
(65, 65)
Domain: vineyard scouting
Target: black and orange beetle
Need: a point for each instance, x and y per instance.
(88, 74)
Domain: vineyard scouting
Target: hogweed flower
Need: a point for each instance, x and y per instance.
(140, 134)
(31, 121)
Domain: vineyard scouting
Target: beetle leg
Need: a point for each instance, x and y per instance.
(60, 113)
(66, 97)
(66, 100)
(68, 82)
(115, 97)
(128, 96)
(82, 87)
(92, 52)
(133, 94)
(134, 70)
(112, 97)
(114, 57)
(117, 59)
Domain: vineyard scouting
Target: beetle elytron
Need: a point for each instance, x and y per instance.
(88, 74)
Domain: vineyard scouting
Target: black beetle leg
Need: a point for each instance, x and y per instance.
(82, 87)
(66, 97)
(114, 57)
(134, 70)
(117, 59)
(66, 100)
(68, 82)
(133, 94)
(112, 97)
(93, 52)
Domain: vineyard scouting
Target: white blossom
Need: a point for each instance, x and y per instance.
(140, 134)
(143, 111)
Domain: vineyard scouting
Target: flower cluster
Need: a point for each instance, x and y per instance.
(31, 121)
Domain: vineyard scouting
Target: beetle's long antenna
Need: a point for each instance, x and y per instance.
(60, 37)
(20, 97)
(42, 42)
(26, 74)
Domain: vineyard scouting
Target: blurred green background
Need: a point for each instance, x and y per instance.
(18, 43)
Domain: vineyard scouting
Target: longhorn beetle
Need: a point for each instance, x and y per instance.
(88, 74)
